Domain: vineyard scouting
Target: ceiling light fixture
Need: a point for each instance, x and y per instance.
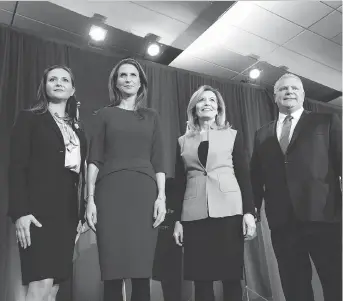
(153, 49)
(97, 33)
(254, 73)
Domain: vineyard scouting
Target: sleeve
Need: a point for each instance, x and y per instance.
(257, 177)
(241, 169)
(20, 154)
(336, 144)
(157, 153)
(177, 186)
(97, 141)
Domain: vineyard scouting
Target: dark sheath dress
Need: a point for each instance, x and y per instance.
(127, 149)
(214, 247)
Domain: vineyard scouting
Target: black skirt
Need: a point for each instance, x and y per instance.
(51, 252)
(214, 249)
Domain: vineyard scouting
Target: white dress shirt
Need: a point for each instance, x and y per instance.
(296, 116)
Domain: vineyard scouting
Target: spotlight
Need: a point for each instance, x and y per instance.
(153, 49)
(97, 33)
(254, 73)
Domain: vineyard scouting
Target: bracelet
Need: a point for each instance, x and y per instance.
(87, 197)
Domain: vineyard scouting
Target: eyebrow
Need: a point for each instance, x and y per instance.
(54, 76)
(293, 86)
(123, 72)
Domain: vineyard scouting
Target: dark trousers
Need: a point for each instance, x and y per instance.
(204, 290)
(293, 245)
(140, 289)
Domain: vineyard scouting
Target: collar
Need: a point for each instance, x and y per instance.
(296, 115)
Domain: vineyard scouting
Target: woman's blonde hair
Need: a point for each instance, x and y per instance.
(193, 121)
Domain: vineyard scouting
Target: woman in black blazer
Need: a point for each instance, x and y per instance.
(46, 174)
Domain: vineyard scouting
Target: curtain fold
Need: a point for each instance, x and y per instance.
(23, 58)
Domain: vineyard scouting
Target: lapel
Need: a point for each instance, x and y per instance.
(298, 128)
(83, 145)
(51, 123)
(272, 136)
(193, 142)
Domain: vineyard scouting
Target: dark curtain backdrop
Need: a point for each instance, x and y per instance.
(23, 58)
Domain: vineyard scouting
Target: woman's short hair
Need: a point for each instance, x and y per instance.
(115, 94)
(41, 106)
(193, 121)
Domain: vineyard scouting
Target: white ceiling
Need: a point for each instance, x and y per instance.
(167, 19)
(303, 37)
(306, 37)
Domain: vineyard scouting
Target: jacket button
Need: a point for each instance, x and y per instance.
(205, 173)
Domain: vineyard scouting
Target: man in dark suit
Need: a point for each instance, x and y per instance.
(296, 168)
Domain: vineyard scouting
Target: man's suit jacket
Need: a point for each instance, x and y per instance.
(222, 187)
(305, 180)
(38, 181)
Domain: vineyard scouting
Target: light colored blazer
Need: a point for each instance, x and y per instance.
(211, 190)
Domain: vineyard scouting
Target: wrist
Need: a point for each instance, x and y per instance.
(89, 198)
(161, 196)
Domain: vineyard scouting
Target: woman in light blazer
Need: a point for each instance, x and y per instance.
(216, 210)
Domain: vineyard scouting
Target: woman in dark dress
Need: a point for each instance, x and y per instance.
(216, 206)
(126, 184)
(46, 173)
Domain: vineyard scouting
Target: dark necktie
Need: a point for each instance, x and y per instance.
(286, 129)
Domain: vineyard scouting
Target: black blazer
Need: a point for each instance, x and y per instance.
(304, 181)
(39, 184)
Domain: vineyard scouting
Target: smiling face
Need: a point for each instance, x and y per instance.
(128, 81)
(59, 85)
(289, 95)
(207, 106)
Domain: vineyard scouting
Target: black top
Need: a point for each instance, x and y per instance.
(203, 152)
(124, 140)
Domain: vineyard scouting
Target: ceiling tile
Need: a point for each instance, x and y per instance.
(5, 17)
(129, 17)
(220, 56)
(304, 13)
(236, 39)
(256, 20)
(7, 5)
(184, 11)
(338, 39)
(317, 48)
(305, 67)
(329, 26)
(333, 4)
(187, 62)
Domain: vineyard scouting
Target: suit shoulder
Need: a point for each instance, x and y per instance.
(181, 140)
(26, 116)
(264, 127)
(321, 115)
